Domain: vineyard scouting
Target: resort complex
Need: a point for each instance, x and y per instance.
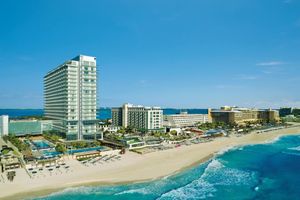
(238, 115)
(69, 139)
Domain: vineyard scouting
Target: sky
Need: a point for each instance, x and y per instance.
(168, 53)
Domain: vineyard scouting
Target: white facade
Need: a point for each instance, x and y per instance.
(185, 120)
(3, 125)
(139, 117)
(109, 128)
(71, 97)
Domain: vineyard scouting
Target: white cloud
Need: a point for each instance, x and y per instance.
(270, 63)
(246, 77)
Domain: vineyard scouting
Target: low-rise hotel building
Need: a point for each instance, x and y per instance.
(185, 120)
(237, 115)
(139, 117)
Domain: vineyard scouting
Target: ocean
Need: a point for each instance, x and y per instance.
(264, 171)
(103, 113)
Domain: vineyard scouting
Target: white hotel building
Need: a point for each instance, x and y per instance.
(185, 120)
(4, 121)
(139, 117)
(71, 98)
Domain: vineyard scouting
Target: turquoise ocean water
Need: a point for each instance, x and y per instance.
(103, 113)
(265, 171)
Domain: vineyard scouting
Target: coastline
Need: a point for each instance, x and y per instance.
(139, 168)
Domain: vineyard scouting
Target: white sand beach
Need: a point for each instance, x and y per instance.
(131, 168)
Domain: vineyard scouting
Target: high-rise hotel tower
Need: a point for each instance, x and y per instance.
(71, 98)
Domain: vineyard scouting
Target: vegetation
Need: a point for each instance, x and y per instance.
(213, 125)
(21, 146)
(179, 138)
(161, 135)
(84, 144)
(5, 151)
(52, 136)
(60, 148)
(126, 130)
(291, 119)
(121, 130)
(129, 129)
(173, 132)
(114, 136)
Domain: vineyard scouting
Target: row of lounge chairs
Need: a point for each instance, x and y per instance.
(101, 160)
(49, 170)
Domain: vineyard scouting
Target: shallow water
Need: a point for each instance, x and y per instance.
(264, 171)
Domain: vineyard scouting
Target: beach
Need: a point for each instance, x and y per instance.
(133, 167)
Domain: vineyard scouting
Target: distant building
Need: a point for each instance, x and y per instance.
(285, 111)
(139, 117)
(185, 120)
(242, 115)
(25, 127)
(3, 125)
(296, 111)
(117, 116)
(70, 98)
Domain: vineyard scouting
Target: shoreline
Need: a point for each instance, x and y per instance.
(140, 168)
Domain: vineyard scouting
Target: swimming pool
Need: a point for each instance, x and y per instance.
(41, 144)
(86, 150)
(51, 154)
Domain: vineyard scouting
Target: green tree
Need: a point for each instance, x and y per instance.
(60, 148)
(129, 129)
(174, 132)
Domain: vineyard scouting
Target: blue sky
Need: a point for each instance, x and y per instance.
(186, 54)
